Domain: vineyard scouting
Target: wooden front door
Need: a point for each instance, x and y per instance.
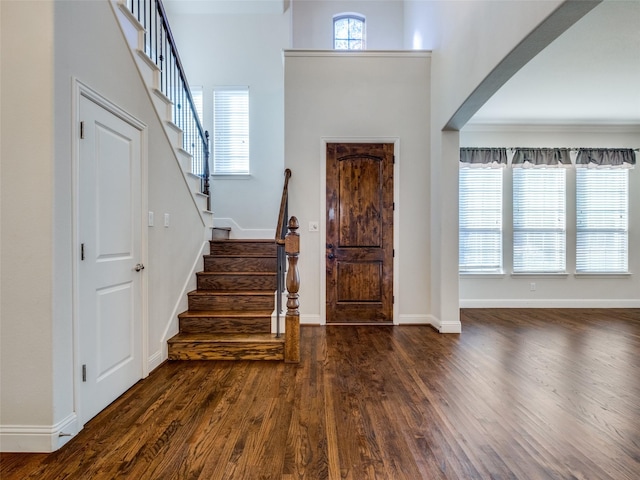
(359, 246)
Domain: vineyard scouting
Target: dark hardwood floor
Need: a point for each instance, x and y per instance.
(521, 394)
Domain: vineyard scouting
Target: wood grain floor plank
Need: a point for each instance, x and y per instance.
(520, 394)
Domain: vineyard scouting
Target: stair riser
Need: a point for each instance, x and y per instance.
(221, 325)
(237, 282)
(239, 264)
(225, 351)
(231, 302)
(243, 248)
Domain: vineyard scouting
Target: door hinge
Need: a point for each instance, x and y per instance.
(84, 373)
(82, 251)
(394, 159)
(81, 130)
(393, 252)
(393, 299)
(394, 206)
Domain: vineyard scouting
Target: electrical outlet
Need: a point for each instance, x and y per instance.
(166, 219)
(150, 218)
(314, 226)
(532, 286)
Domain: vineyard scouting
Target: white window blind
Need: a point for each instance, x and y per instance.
(539, 220)
(198, 100)
(231, 130)
(602, 215)
(480, 220)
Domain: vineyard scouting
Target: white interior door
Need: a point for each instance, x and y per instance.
(109, 234)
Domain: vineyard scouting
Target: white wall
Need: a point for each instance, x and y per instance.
(312, 23)
(27, 241)
(353, 97)
(554, 291)
(242, 49)
(469, 39)
(51, 43)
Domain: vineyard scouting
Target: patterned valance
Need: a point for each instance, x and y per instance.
(606, 157)
(483, 157)
(541, 157)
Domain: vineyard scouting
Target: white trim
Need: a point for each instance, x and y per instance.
(546, 128)
(38, 438)
(358, 53)
(323, 217)
(450, 327)
(180, 305)
(454, 326)
(155, 360)
(549, 303)
(80, 89)
(238, 232)
(416, 319)
(312, 319)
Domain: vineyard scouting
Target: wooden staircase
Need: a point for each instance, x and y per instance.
(229, 316)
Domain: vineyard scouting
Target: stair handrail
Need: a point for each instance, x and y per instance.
(159, 41)
(281, 231)
(281, 227)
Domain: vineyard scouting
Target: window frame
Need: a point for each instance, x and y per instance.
(525, 230)
(589, 227)
(482, 227)
(225, 142)
(357, 17)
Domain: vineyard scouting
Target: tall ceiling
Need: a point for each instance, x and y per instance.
(589, 75)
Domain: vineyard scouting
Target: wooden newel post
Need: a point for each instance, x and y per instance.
(292, 320)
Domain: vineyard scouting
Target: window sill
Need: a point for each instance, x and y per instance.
(482, 275)
(540, 274)
(603, 275)
(231, 176)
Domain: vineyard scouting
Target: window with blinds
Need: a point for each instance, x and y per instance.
(480, 220)
(602, 220)
(539, 220)
(231, 130)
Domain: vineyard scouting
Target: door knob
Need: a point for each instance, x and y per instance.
(329, 245)
(139, 267)
(331, 256)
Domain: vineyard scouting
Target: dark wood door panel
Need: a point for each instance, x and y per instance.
(359, 261)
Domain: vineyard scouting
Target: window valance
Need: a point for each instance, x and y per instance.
(606, 157)
(483, 157)
(541, 157)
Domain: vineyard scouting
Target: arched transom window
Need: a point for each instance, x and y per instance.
(348, 32)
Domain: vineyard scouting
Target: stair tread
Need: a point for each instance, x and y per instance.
(225, 313)
(223, 293)
(241, 255)
(226, 338)
(242, 240)
(236, 273)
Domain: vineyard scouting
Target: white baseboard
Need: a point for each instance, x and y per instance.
(446, 326)
(238, 232)
(415, 319)
(156, 360)
(546, 303)
(171, 328)
(311, 319)
(38, 438)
